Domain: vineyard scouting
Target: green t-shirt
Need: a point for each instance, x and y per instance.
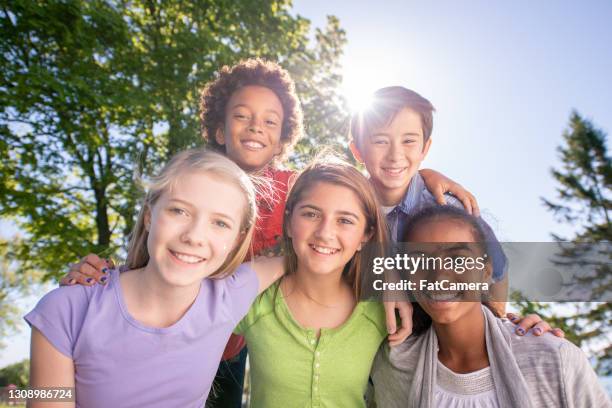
(290, 367)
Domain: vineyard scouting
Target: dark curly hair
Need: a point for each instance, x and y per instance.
(253, 71)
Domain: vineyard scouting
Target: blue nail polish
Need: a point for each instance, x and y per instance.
(104, 270)
(520, 331)
(103, 279)
(88, 280)
(537, 331)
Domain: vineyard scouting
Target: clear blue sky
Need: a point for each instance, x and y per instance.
(503, 76)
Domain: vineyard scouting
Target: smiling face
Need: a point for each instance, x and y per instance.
(454, 237)
(253, 125)
(327, 226)
(393, 154)
(192, 228)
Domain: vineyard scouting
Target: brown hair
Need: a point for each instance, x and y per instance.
(335, 171)
(421, 321)
(200, 160)
(253, 71)
(388, 102)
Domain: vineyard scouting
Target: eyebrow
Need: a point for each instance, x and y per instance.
(459, 247)
(314, 207)
(242, 105)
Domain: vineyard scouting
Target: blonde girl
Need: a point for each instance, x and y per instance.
(154, 335)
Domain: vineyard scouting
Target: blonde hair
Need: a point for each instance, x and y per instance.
(333, 170)
(200, 160)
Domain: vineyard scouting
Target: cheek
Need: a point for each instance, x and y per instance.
(224, 244)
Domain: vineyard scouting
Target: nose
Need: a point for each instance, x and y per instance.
(325, 229)
(255, 126)
(196, 233)
(394, 153)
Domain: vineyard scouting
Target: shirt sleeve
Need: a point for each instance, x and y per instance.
(59, 316)
(581, 386)
(242, 289)
(262, 306)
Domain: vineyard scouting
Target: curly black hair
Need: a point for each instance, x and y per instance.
(253, 71)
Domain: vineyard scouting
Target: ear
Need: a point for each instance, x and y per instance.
(219, 136)
(487, 275)
(279, 147)
(355, 151)
(289, 233)
(147, 219)
(426, 147)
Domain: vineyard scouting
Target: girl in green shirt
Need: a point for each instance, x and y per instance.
(311, 341)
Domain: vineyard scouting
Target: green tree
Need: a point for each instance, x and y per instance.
(94, 92)
(13, 285)
(318, 79)
(584, 201)
(18, 374)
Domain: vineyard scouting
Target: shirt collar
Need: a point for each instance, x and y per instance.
(413, 193)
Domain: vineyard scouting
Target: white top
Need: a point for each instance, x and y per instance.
(471, 390)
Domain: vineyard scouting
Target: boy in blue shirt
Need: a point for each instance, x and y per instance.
(391, 139)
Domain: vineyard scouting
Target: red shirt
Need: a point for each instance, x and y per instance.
(268, 229)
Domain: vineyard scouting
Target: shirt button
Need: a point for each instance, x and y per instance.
(317, 365)
(312, 341)
(317, 354)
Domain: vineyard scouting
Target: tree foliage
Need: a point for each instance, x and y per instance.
(96, 92)
(14, 283)
(17, 374)
(584, 201)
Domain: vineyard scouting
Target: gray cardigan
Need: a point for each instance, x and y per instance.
(527, 371)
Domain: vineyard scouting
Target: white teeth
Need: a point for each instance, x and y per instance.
(253, 144)
(443, 296)
(187, 258)
(324, 250)
(394, 171)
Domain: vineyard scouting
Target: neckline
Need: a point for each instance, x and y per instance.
(479, 382)
(284, 307)
(176, 326)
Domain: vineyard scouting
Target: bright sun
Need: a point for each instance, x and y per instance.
(358, 85)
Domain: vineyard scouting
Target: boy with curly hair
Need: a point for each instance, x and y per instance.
(252, 114)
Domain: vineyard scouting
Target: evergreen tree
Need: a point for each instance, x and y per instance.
(584, 201)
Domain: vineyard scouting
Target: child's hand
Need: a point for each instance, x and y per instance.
(90, 270)
(438, 184)
(535, 323)
(397, 336)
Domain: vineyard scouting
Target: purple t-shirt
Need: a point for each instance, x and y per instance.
(121, 363)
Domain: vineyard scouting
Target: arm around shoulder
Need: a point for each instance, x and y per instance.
(268, 270)
(49, 368)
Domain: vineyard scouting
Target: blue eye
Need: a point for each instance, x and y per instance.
(270, 123)
(221, 224)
